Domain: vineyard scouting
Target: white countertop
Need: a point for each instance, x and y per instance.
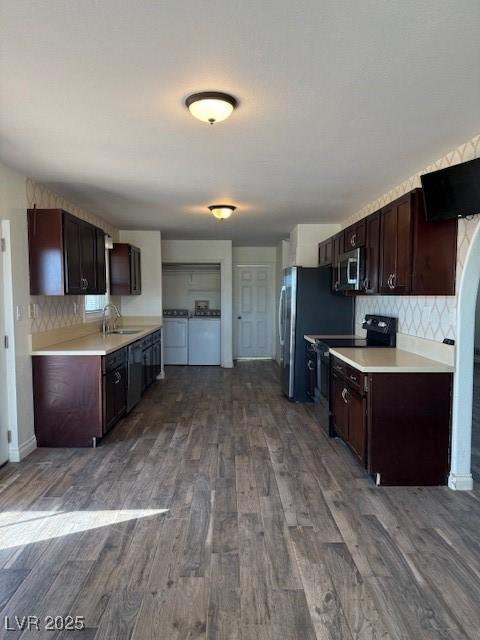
(324, 336)
(387, 360)
(96, 344)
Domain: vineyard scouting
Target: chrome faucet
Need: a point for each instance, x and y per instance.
(105, 326)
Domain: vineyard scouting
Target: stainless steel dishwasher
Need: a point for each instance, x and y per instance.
(135, 374)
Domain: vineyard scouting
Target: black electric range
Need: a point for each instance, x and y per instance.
(381, 332)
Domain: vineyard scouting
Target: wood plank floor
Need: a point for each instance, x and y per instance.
(219, 510)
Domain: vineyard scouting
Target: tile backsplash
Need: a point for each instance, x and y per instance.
(430, 317)
(54, 312)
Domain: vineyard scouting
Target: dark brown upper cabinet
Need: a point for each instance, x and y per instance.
(67, 255)
(337, 250)
(355, 235)
(325, 253)
(416, 257)
(125, 270)
(372, 252)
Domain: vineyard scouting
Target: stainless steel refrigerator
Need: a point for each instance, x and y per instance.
(307, 306)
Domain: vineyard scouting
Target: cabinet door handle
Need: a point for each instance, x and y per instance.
(354, 378)
(344, 396)
(118, 377)
(390, 281)
(394, 280)
(366, 284)
(310, 365)
(86, 283)
(353, 240)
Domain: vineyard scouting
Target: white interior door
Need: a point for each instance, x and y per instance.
(3, 365)
(253, 320)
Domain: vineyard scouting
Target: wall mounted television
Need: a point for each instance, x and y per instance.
(453, 192)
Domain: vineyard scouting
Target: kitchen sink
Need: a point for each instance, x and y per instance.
(125, 332)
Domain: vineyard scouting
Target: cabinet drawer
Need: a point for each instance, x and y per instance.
(354, 378)
(114, 360)
(339, 367)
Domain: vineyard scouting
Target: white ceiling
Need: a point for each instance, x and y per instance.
(339, 101)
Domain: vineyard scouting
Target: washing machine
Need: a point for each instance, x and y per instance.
(204, 338)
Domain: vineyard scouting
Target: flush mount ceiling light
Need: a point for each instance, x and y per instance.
(222, 211)
(211, 106)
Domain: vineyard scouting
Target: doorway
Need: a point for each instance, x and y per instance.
(463, 384)
(3, 363)
(253, 311)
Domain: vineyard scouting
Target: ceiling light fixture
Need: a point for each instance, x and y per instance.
(211, 106)
(222, 211)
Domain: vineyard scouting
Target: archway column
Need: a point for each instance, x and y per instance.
(460, 472)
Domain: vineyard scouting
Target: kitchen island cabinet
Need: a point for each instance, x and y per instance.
(397, 422)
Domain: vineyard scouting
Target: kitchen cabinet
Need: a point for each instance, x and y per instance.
(67, 254)
(125, 270)
(372, 252)
(152, 358)
(325, 253)
(78, 399)
(404, 254)
(349, 413)
(396, 246)
(114, 388)
(340, 408)
(354, 235)
(416, 257)
(337, 250)
(397, 424)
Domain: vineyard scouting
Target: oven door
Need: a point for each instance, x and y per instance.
(351, 270)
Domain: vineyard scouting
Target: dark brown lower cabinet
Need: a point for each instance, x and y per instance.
(340, 408)
(397, 424)
(114, 396)
(350, 416)
(78, 399)
(152, 358)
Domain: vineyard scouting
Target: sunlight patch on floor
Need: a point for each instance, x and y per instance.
(18, 528)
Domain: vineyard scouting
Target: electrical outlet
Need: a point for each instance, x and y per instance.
(31, 311)
(19, 312)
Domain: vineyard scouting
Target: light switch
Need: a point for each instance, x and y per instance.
(31, 311)
(19, 312)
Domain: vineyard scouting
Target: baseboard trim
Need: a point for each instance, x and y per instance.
(255, 358)
(17, 454)
(460, 482)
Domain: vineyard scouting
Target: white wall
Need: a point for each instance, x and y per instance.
(149, 303)
(304, 239)
(181, 288)
(13, 205)
(209, 251)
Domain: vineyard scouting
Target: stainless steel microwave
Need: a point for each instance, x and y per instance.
(351, 270)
